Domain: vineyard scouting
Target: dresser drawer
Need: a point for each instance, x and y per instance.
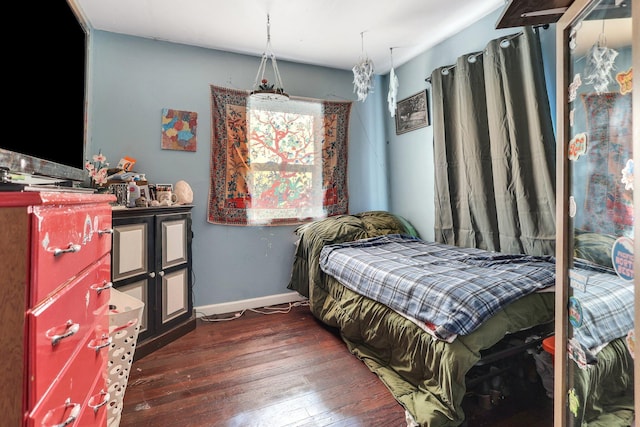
(71, 323)
(66, 239)
(95, 411)
(72, 392)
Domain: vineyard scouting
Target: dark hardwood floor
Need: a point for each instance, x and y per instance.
(284, 369)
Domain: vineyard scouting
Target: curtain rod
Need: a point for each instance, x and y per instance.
(472, 57)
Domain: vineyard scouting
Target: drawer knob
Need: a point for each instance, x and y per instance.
(106, 285)
(97, 347)
(106, 231)
(72, 328)
(105, 399)
(73, 415)
(70, 249)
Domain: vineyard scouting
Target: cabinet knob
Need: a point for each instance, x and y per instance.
(73, 415)
(106, 342)
(70, 249)
(104, 397)
(106, 285)
(152, 274)
(71, 329)
(105, 231)
(161, 274)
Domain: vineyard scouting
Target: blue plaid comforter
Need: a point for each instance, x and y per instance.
(454, 289)
(603, 311)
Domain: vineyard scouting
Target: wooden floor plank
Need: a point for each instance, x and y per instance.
(275, 370)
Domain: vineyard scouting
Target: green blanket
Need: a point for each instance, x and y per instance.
(427, 377)
(604, 391)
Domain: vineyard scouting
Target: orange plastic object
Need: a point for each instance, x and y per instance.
(549, 345)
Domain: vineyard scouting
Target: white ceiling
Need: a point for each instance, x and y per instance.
(318, 32)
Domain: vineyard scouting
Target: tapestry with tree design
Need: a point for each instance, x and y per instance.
(276, 163)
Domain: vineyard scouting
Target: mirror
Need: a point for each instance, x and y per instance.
(597, 376)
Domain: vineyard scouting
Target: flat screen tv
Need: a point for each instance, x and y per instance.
(52, 142)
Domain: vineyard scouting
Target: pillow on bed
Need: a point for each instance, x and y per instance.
(594, 247)
(378, 223)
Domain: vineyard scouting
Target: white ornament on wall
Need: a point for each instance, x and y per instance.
(392, 96)
(600, 64)
(627, 175)
(363, 75)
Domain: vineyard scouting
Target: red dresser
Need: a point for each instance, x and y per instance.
(55, 269)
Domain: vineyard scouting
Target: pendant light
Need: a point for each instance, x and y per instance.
(263, 89)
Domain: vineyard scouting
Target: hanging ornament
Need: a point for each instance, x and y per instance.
(627, 175)
(363, 75)
(392, 96)
(573, 87)
(600, 64)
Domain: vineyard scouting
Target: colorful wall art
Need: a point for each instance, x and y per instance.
(179, 130)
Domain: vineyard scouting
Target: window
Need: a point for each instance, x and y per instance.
(277, 163)
(285, 169)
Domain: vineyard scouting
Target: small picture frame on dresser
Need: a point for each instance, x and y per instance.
(164, 187)
(144, 192)
(152, 192)
(121, 191)
(164, 192)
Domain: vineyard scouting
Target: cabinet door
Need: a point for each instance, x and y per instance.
(595, 317)
(133, 264)
(173, 266)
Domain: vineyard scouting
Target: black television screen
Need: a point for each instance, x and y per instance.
(52, 142)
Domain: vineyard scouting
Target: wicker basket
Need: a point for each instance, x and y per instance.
(125, 315)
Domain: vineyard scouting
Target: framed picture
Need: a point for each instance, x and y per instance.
(164, 187)
(164, 193)
(179, 130)
(412, 113)
(144, 192)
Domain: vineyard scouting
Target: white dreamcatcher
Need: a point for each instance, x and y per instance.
(363, 75)
(600, 64)
(392, 96)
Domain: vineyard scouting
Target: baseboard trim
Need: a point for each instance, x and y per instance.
(236, 306)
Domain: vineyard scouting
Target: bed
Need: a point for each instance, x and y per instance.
(602, 392)
(423, 364)
(425, 355)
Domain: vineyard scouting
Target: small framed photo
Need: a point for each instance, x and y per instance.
(144, 192)
(164, 187)
(164, 193)
(412, 113)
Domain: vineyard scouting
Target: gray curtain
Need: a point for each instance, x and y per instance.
(494, 149)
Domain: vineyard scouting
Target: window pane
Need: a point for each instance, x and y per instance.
(285, 181)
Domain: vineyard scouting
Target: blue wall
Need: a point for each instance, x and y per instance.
(411, 154)
(132, 79)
